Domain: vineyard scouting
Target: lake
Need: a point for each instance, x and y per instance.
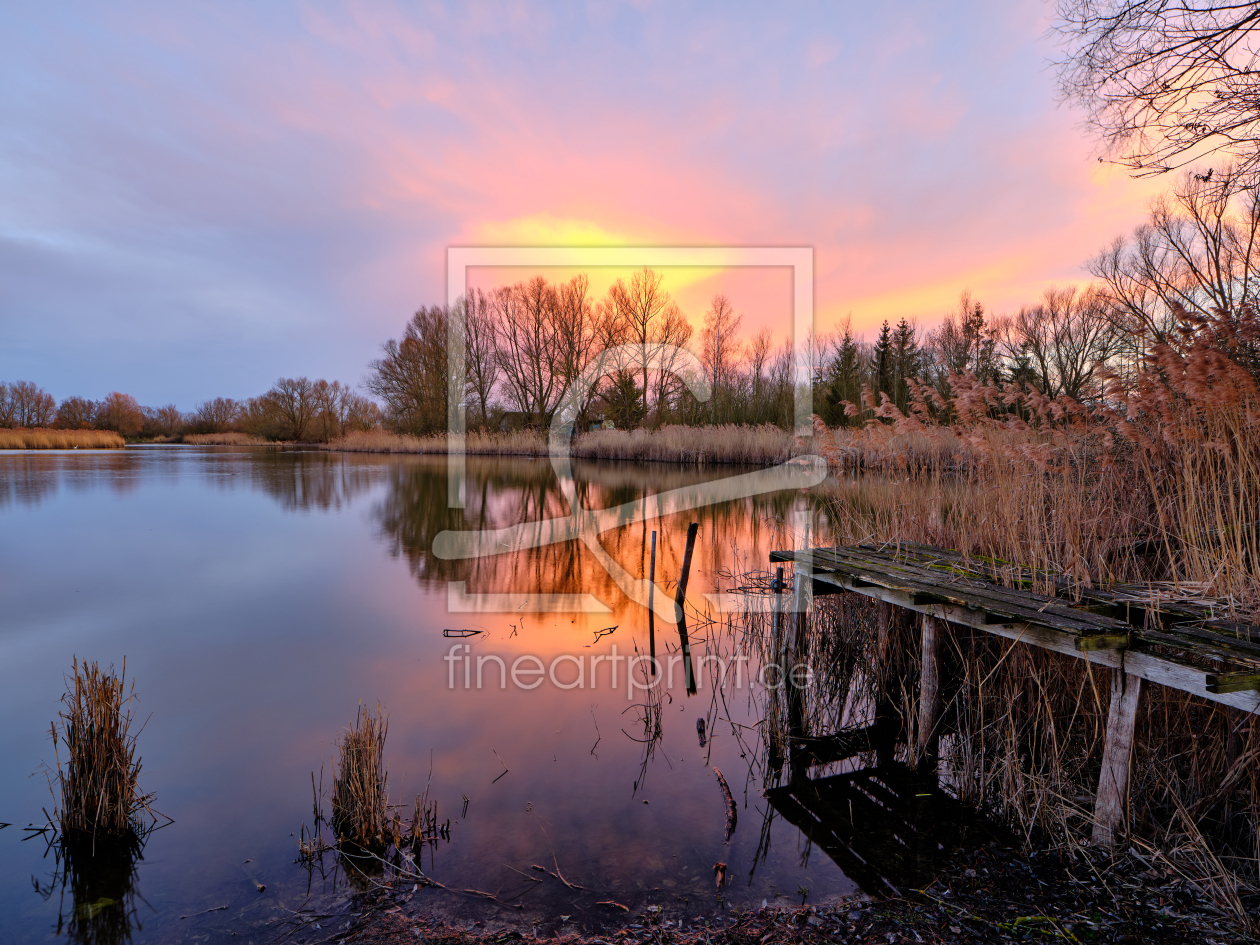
(259, 597)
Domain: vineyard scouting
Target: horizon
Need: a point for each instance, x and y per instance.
(202, 200)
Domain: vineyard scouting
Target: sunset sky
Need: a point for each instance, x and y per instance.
(198, 199)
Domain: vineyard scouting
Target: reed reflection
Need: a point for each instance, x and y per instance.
(100, 878)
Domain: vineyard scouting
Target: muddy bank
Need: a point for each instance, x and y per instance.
(984, 895)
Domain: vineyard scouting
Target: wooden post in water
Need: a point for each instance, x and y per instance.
(928, 735)
(680, 600)
(885, 733)
(651, 599)
(776, 648)
(798, 649)
(1113, 784)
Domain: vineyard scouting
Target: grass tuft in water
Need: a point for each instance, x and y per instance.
(98, 786)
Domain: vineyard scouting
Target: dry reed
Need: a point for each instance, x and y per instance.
(764, 445)
(360, 806)
(45, 439)
(224, 439)
(520, 443)
(760, 446)
(99, 793)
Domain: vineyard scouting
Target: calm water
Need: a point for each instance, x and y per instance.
(259, 597)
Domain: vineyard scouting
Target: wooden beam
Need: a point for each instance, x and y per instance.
(1112, 801)
(1233, 682)
(928, 735)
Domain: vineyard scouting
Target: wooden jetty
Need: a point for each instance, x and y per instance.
(1127, 629)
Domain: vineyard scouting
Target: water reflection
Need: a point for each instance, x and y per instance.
(299, 480)
(517, 514)
(100, 878)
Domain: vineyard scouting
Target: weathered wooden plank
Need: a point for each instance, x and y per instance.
(1196, 646)
(1112, 801)
(1152, 668)
(991, 598)
(1103, 641)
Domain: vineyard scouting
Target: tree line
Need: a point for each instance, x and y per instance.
(630, 358)
(293, 409)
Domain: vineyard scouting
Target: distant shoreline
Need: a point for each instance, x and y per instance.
(764, 445)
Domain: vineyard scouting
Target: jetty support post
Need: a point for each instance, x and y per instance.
(1112, 800)
(887, 726)
(796, 662)
(928, 736)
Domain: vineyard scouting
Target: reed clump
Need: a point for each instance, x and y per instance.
(728, 444)
(360, 805)
(518, 443)
(99, 796)
(224, 439)
(46, 439)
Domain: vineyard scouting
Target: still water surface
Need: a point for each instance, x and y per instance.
(259, 597)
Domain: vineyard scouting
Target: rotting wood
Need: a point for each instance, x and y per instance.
(1233, 682)
(732, 813)
(1111, 802)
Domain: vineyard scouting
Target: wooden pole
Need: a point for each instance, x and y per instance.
(688, 672)
(651, 598)
(776, 648)
(798, 755)
(886, 727)
(928, 735)
(1113, 783)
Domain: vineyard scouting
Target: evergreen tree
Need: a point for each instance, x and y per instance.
(882, 365)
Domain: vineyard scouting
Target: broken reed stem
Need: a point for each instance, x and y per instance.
(99, 793)
(360, 807)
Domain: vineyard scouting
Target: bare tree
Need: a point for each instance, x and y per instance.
(219, 415)
(411, 377)
(1165, 83)
(1199, 254)
(720, 351)
(24, 404)
(168, 420)
(1064, 342)
(480, 354)
(74, 413)
(120, 413)
(294, 398)
(640, 305)
(525, 326)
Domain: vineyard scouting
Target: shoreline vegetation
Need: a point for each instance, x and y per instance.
(764, 445)
(44, 439)
(225, 439)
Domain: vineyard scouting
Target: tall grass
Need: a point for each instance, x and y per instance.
(520, 443)
(44, 439)
(224, 439)
(99, 793)
(764, 445)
